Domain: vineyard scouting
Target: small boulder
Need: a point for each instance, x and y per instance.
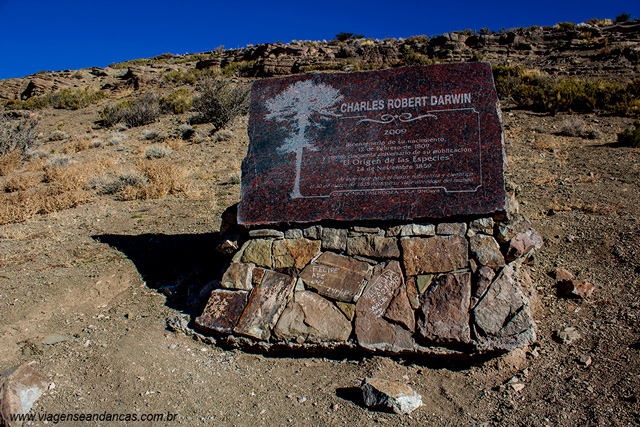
(383, 394)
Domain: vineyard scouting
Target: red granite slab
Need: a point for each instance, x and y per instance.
(405, 143)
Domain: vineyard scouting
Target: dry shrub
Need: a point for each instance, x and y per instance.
(9, 163)
(174, 143)
(164, 178)
(22, 182)
(22, 205)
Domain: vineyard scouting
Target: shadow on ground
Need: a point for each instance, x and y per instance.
(181, 266)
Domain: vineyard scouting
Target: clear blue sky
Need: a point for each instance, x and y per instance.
(40, 35)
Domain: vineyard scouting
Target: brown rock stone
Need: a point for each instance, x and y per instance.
(257, 275)
(373, 246)
(502, 318)
(259, 252)
(519, 246)
(294, 252)
(336, 276)
(222, 311)
(412, 292)
(439, 254)
(486, 250)
(266, 302)
(576, 289)
(311, 318)
(400, 311)
(238, 276)
(334, 239)
(372, 331)
(485, 276)
(444, 315)
(380, 393)
(563, 275)
(20, 387)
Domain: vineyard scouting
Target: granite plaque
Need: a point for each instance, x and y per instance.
(404, 143)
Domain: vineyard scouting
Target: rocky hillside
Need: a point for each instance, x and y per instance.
(598, 49)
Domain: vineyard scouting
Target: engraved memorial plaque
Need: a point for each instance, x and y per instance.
(406, 143)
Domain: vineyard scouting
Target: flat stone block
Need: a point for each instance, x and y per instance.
(222, 311)
(294, 252)
(336, 276)
(439, 254)
(372, 331)
(502, 318)
(266, 303)
(417, 230)
(334, 239)
(266, 232)
(444, 315)
(259, 252)
(486, 250)
(238, 276)
(451, 228)
(311, 318)
(373, 246)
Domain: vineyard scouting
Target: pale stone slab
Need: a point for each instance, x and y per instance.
(266, 302)
(336, 276)
(451, 228)
(334, 239)
(439, 254)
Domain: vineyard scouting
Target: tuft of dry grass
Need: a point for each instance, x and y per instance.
(9, 163)
(22, 181)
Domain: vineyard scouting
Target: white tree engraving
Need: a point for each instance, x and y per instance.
(300, 103)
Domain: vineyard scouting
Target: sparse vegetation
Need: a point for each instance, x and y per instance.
(541, 92)
(66, 99)
(139, 111)
(178, 102)
(343, 37)
(220, 101)
(17, 133)
(630, 137)
(574, 126)
(157, 152)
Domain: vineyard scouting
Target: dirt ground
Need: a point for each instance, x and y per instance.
(86, 294)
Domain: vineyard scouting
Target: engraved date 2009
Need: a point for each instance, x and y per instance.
(395, 131)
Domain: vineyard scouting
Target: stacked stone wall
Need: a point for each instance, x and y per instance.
(422, 287)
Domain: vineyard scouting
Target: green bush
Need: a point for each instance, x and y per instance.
(623, 17)
(541, 92)
(140, 111)
(17, 133)
(565, 26)
(220, 102)
(177, 102)
(412, 57)
(66, 99)
(630, 137)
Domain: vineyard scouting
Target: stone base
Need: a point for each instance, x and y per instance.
(446, 288)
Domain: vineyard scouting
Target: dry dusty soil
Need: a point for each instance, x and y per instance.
(86, 294)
